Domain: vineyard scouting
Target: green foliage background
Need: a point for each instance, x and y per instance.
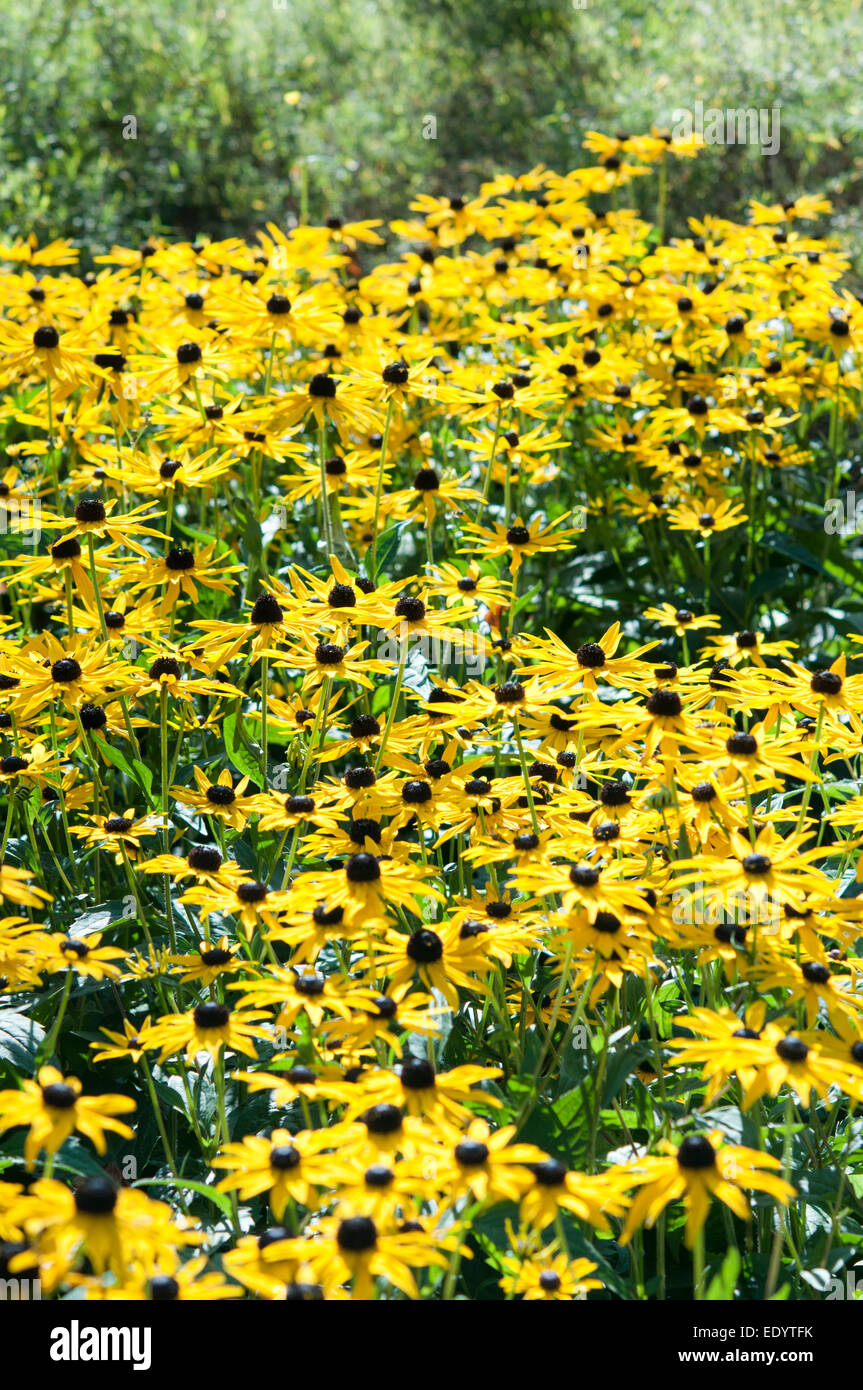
(510, 83)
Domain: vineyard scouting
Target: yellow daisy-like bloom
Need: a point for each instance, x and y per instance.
(53, 1108)
(554, 664)
(120, 835)
(700, 1168)
(517, 541)
(442, 958)
(555, 1188)
(258, 1263)
(549, 1275)
(119, 1045)
(487, 1165)
(203, 862)
(30, 767)
(707, 516)
(329, 399)
(168, 1279)
(116, 1227)
(251, 902)
(75, 676)
(298, 992)
(329, 661)
(813, 982)
(787, 1060)
(44, 353)
(16, 886)
(380, 1016)
(93, 517)
(762, 873)
(682, 620)
(267, 624)
(211, 962)
(86, 956)
(422, 1091)
(208, 1027)
(353, 1250)
(366, 887)
(176, 361)
(458, 585)
(288, 1167)
(23, 950)
(745, 646)
(723, 1044)
(180, 572)
(223, 798)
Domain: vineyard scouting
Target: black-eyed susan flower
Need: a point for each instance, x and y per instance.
(556, 1188)
(222, 800)
(52, 1108)
(114, 1226)
(120, 835)
(182, 573)
(115, 1046)
(486, 1164)
(520, 540)
(87, 957)
(208, 1027)
(699, 1168)
(353, 1250)
(549, 1274)
(285, 1166)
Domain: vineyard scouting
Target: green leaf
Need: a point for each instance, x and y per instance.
(135, 770)
(73, 1157)
(143, 776)
(619, 1066)
(98, 919)
(388, 545)
(20, 1039)
(219, 1199)
(191, 532)
(235, 748)
(817, 1187)
(723, 1284)
(381, 699)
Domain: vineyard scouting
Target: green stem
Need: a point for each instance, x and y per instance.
(524, 772)
(320, 714)
(166, 827)
(326, 529)
(47, 1048)
(91, 557)
(163, 1133)
(779, 1234)
(265, 673)
(698, 1267)
(487, 484)
(373, 563)
(391, 713)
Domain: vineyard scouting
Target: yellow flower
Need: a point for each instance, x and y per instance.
(209, 1027)
(701, 1167)
(53, 1108)
(285, 1166)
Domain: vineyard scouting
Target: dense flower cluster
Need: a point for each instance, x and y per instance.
(430, 938)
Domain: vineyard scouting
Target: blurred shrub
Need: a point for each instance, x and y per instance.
(510, 83)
